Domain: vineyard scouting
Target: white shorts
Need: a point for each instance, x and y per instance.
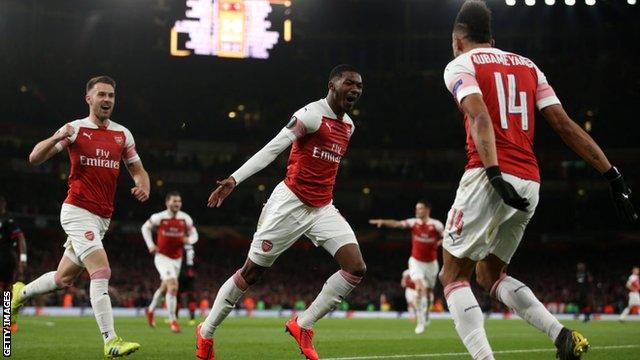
(411, 295)
(85, 231)
(480, 223)
(168, 268)
(284, 219)
(424, 271)
(634, 299)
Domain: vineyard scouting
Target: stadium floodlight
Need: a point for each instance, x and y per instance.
(510, 2)
(530, 2)
(590, 2)
(570, 2)
(631, 2)
(550, 2)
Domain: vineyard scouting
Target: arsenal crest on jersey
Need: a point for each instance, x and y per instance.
(119, 139)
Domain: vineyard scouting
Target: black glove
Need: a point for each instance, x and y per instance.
(505, 190)
(621, 195)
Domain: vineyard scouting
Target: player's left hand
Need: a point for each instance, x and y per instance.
(140, 194)
(376, 222)
(621, 195)
(225, 187)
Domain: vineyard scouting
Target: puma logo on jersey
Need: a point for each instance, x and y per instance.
(89, 135)
(329, 126)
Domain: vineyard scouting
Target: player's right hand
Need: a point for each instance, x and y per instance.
(225, 187)
(506, 191)
(65, 132)
(153, 250)
(621, 195)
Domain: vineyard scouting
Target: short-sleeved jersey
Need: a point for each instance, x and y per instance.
(320, 140)
(95, 153)
(633, 283)
(9, 233)
(510, 85)
(424, 238)
(171, 231)
(406, 280)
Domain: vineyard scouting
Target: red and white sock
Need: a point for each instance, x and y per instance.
(157, 300)
(468, 319)
(228, 295)
(101, 302)
(172, 304)
(46, 283)
(521, 299)
(337, 287)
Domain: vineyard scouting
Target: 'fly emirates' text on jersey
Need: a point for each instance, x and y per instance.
(510, 85)
(321, 140)
(171, 231)
(95, 154)
(424, 238)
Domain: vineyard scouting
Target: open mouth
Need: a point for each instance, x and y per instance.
(105, 107)
(351, 98)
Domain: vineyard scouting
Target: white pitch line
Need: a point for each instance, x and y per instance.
(433, 355)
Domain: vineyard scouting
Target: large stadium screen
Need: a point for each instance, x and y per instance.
(227, 29)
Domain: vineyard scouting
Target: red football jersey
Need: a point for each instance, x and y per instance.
(510, 86)
(95, 154)
(171, 231)
(321, 142)
(424, 238)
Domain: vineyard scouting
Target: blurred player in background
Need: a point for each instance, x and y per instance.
(410, 293)
(426, 237)
(300, 205)
(498, 91)
(187, 280)
(584, 282)
(633, 285)
(10, 236)
(96, 147)
(174, 229)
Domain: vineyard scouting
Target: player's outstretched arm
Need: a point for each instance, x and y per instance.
(387, 223)
(583, 144)
(141, 179)
(484, 139)
(257, 162)
(46, 148)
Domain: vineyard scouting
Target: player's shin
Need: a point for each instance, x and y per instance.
(521, 299)
(337, 287)
(156, 300)
(468, 319)
(172, 303)
(225, 301)
(101, 302)
(44, 284)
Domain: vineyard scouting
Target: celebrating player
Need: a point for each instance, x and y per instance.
(426, 237)
(633, 284)
(96, 145)
(300, 205)
(10, 234)
(410, 293)
(174, 229)
(498, 193)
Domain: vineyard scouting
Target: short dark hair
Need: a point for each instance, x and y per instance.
(337, 71)
(474, 20)
(425, 202)
(171, 194)
(104, 79)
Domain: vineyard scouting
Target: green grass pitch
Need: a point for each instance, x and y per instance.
(53, 338)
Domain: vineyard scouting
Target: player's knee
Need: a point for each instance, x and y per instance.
(358, 269)
(102, 273)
